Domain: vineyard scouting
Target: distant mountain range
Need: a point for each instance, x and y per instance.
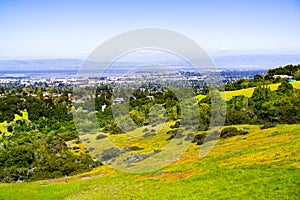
(255, 61)
(40, 65)
(244, 62)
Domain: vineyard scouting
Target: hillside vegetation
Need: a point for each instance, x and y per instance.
(43, 155)
(263, 164)
(249, 91)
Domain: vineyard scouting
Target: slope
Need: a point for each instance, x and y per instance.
(262, 164)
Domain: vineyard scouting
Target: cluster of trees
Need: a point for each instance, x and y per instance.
(9, 106)
(37, 148)
(140, 104)
(36, 156)
(268, 78)
(37, 107)
(265, 106)
(289, 70)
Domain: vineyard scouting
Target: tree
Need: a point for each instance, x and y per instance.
(297, 75)
(10, 129)
(238, 102)
(260, 95)
(285, 88)
(237, 117)
(258, 78)
(35, 111)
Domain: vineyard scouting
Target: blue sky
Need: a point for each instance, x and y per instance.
(72, 29)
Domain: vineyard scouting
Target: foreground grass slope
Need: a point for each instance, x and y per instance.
(263, 164)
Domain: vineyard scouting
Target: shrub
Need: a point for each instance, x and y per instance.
(68, 136)
(114, 129)
(146, 135)
(285, 88)
(172, 132)
(10, 129)
(135, 148)
(176, 125)
(101, 136)
(267, 125)
(145, 130)
(234, 117)
(109, 154)
(189, 137)
(231, 131)
(90, 149)
(132, 148)
(175, 134)
(199, 139)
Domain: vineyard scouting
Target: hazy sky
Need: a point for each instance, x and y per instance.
(72, 29)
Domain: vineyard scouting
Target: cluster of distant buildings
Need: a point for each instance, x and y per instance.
(287, 77)
(64, 80)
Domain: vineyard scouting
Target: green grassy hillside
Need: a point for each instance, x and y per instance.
(249, 91)
(264, 164)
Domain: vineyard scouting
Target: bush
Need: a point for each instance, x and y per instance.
(172, 132)
(175, 134)
(10, 129)
(267, 125)
(44, 158)
(176, 125)
(109, 154)
(135, 148)
(231, 131)
(90, 149)
(132, 148)
(146, 135)
(68, 136)
(113, 129)
(189, 137)
(199, 139)
(101, 136)
(285, 88)
(234, 117)
(145, 130)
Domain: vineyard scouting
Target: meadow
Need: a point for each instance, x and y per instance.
(264, 164)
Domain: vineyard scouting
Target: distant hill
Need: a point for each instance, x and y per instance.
(244, 62)
(255, 61)
(40, 65)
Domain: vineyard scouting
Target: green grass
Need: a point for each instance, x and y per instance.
(263, 164)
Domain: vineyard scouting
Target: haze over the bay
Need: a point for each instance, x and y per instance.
(240, 62)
